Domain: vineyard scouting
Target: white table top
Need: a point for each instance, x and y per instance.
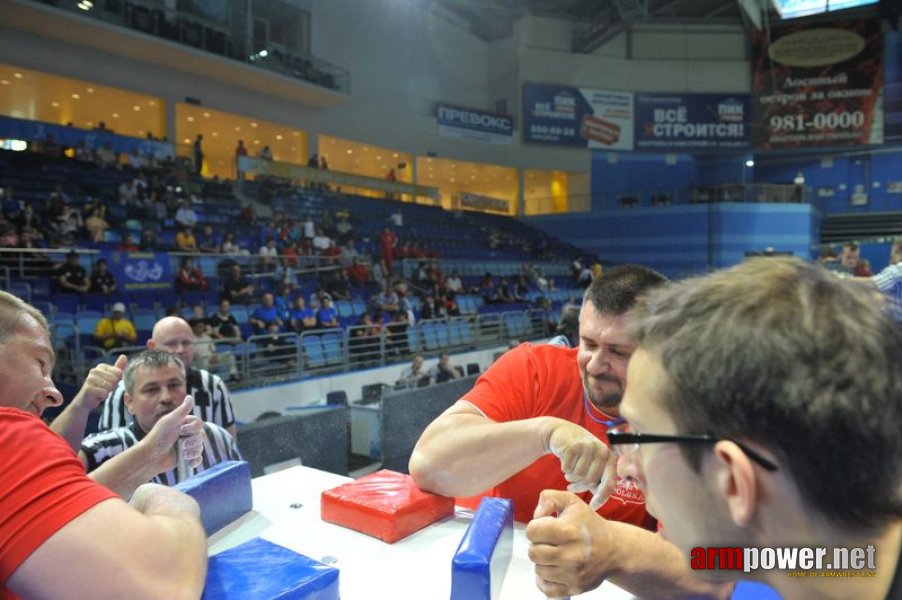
(417, 567)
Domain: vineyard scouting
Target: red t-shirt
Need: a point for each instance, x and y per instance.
(543, 381)
(43, 485)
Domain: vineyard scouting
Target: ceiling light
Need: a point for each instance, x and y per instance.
(256, 142)
(54, 104)
(187, 140)
(237, 128)
(293, 148)
(90, 90)
(76, 96)
(115, 115)
(4, 81)
(253, 124)
(207, 115)
(152, 103)
(191, 119)
(18, 75)
(136, 108)
(350, 151)
(215, 134)
(90, 123)
(395, 155)
(279, 137)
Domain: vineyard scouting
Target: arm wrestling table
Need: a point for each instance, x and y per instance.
(287, 512)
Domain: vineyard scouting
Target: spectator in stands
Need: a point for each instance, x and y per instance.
(396, 218)
(96, 225)
(84, 153)
(223, 324)
(453, 285)
(116, 330)
(197, 317)
(155, 385)
(148, 240)
(102, 281)
(388, 241)
(269, 256)
(70, 224)
(71, 276)
(229, 245)
(265, 153)
(387, 300)
(185, 215)
(308, 228)
(50, 508)
(852, 262)
(206, 242)
(521, 290)
(321, 241)
(206, 355)
(488, 289)
(127, 244)
(265, 315)
(343, 230)
(567, 328)
(30, 222)
(240, 151)
(357, 272)
(301, 318)
(326, 315)
(444, 371)
(185, 240)
(190, 278)
(105, 156)
(397, 334)
(276, 346)
(413, 374)
(12, 206)
(432, 310)
(198, 154)
(237, 288)
(364, 339)
(504, 291)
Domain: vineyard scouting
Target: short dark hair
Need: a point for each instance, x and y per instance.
(150, 359)
(616, 291)
(784, 354)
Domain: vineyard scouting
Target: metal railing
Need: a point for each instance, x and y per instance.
(263, 359)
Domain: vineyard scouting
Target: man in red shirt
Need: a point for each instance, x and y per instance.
(62, 535)
(537, 419)
(388, 240)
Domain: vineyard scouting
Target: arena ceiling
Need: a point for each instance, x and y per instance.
(596, 20)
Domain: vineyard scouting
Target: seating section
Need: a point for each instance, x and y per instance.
(477, 246)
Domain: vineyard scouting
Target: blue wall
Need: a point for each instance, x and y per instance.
(640, 174)
(688, 239)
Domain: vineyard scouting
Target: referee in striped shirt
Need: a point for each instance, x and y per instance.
(154, 387)
(889, 281)
(212, 402)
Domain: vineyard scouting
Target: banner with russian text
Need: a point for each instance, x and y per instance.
(892, 91)
(569, 116)
(692, 122)
(471, 124)
(816, 84)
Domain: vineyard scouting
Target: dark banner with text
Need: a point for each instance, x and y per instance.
(816, 85)
(691, 122)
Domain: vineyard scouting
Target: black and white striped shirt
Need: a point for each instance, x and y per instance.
(100, 447)
(212, 403)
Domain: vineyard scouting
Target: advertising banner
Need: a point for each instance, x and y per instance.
(467, 123)
(688, 122)
(586, 118)
(140, 270)
(816, 84)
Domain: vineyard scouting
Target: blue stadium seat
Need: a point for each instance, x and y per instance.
(332, 348)
(312, 348)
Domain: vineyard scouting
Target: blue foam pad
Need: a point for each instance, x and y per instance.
(223, 492)
(261, 570)
(750, 590)
(481, 560)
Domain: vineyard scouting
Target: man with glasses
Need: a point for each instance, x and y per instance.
(212, 402)
(749, 429)
(537, 419)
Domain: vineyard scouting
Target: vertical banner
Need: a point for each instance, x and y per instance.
(568, 116)
(816, 84)
(692, 122)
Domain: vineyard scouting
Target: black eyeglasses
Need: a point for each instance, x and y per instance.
(630, 441)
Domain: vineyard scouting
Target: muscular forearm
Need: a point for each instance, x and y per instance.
(125, 472)
(649, 566)
(71, 423)
(465, 454)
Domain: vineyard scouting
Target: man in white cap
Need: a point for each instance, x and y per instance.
(116, 330)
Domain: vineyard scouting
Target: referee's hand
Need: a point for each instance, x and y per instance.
(101, 380)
